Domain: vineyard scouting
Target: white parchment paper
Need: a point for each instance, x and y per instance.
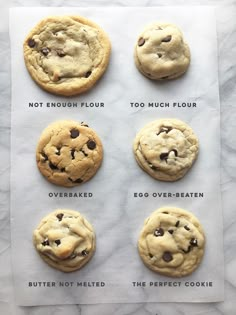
(114, 211)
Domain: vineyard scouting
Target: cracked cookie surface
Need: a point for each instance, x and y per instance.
(68, 153)
(65, 240)
(66, 55)
(166, 149)
(161, 52)
(172, 242)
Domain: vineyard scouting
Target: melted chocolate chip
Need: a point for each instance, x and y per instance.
(188, 250)
(58, 242)
(159, 55)
(150, 255)
(193, 242)
(45, 243)
(187, 228)
(175, 152)
(177, 223)
(167, 39)
(45, 51)
(72, 152)
(60, 216)
(63, 169)
(44, 156)
(78, 180)
(159, 232)
(52, 166)
(164, 156)
(84, 252)
(74, 133)
(87, 74)
(165, 212)
(31, 43)
(171, 231)
(167, 256)
(164, 129)
(84, 153)
(91, 144)
(61, 53)
(141, 41)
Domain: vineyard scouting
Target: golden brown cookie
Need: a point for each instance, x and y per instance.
(66, 54)
(69, 153)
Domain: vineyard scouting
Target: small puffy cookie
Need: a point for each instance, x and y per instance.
(166, 149)
(69, 153)
(65, 240)
(172, 242)
(66, 55)
(161, 52)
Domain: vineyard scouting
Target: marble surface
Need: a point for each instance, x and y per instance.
(226, 27)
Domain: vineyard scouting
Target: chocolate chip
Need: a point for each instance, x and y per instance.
(91, 144)
(72, 152)
(164, 156)
(159, 55)
(150, 255)
(45, 51)
(44, 156)
(187, 228)
(167, 39)
(60, 216)
(175, 152)
(84, 153)
(171, 231)
(193, 242)
(177, 223)
(87, 74)
(188, 250)
(84, 252)
(164, 129)
(52, 166)
(141, 41)
(31, 43)
(74, 133)
(165, 212)
(159, 232)
(61, 53)
(167, 256)
(58, 151)
(63, 169)
(58, 242)
(45, 243)
(78, 180)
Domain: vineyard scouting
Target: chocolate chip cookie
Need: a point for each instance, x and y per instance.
(172, 242)
(161, 52)
(65, 240)
(66, 55)
(166, 149)
(69, 153)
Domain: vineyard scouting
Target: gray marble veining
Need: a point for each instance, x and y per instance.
(226, 27)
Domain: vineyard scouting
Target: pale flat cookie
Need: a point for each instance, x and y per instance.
(161, 52)
(69, 153)
(172, 242)
(166, 149)
(65, 240)
(66, 54)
